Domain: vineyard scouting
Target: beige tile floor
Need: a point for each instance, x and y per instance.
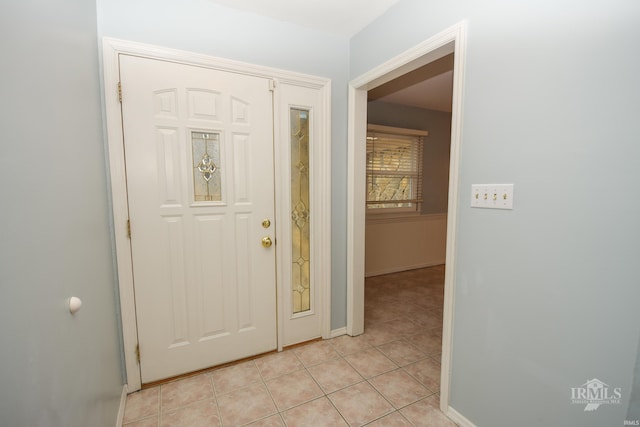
(389, 376)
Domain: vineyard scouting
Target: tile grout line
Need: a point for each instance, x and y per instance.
(275, 405)
(364, 380)
(160, 405)
(215, 397)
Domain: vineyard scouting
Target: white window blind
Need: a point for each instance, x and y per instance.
(394, 168)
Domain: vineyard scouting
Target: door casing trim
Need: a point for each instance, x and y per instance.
(450, 40)
(111, 49)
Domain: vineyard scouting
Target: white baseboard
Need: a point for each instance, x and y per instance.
(458, 418)
(403, 268)
(123, 402)
(338, 332)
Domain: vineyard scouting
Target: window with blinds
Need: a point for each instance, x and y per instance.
(394, 168)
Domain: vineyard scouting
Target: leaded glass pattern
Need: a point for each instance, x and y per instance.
(300, 230)
(206, 166)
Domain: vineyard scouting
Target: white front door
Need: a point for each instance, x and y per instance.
(199, 167)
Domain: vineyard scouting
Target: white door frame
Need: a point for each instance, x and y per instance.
(112, 48)
(450, 40)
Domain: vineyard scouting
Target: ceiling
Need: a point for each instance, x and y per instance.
(429, 88)
(340, 17)
(432, 94)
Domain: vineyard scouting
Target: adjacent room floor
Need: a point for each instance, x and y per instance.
(389, 376)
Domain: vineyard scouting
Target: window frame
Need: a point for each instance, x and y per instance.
(401, 133)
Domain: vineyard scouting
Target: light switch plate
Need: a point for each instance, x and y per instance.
(492, 196)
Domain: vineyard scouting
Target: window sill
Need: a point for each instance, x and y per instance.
(380, 218)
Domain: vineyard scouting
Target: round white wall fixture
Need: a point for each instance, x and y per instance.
(74, 304)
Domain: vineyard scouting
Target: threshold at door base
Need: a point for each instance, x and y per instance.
(202, 371)
(300, 344)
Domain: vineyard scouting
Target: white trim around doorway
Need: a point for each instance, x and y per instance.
(112, 48)
(450, 40)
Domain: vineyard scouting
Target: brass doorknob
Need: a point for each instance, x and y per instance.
(266, 242)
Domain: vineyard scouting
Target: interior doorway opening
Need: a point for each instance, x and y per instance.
(405, 251)
(449, 42)
(408, 156)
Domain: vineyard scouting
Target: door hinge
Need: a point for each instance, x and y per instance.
(272, 84)
(120, 92)
(138, 353)
(129, 228)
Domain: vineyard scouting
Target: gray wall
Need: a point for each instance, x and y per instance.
(436, 146)
(546, 295)
(204, 27)
(57, 369)
(633, 413)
